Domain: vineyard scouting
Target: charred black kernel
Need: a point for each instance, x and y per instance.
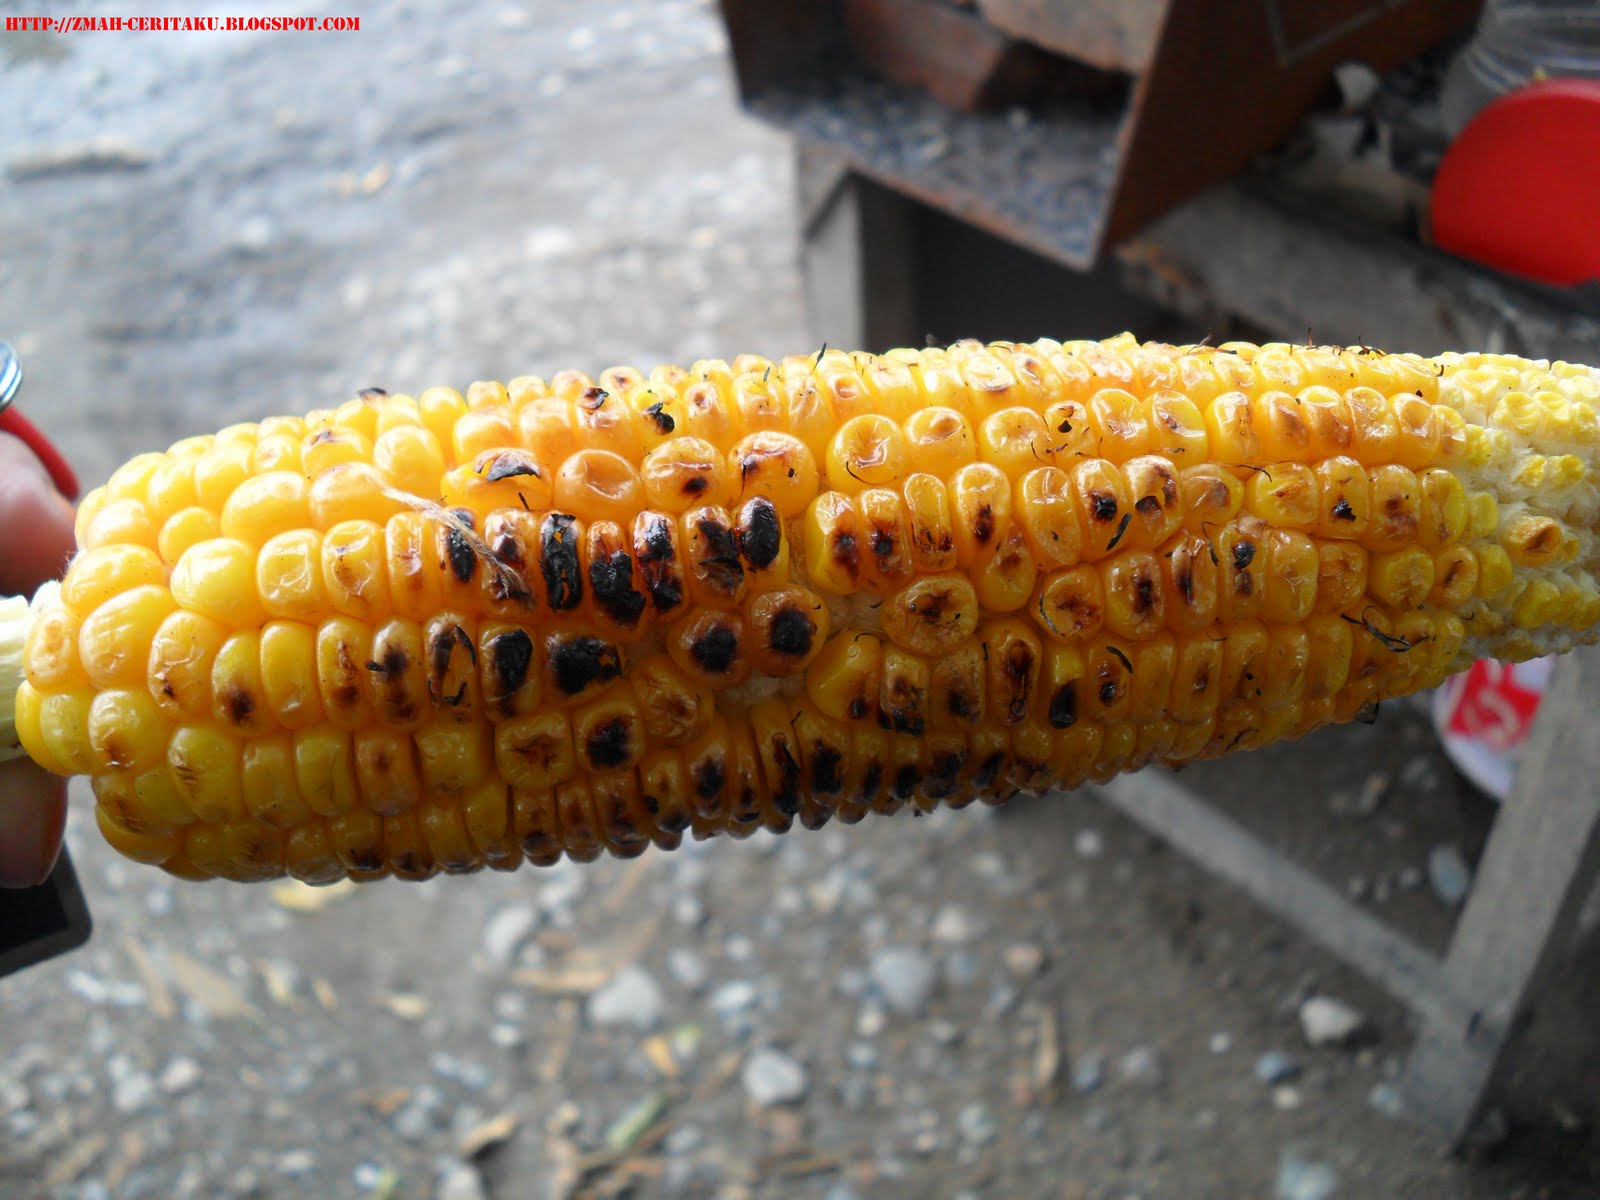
(364, 858)
(510, 654)
(1342, 510)
(1148, 506)
(1109, 691)
(1064, 707)
(508, 549)
(510, 463)
(989, 769)
(558, 560)
(673, 822)
(239, 704)
(718, 555)
(440, 651)
(983, 525)
(846, 553)
(786, 798)
(1244, 554)
(662, 419)
(961, 705)
(656, 566)
(594, 398)
(578, 662)
(942, 773)
(1144, 592)
(760, 533)
(905, 781)
(1103, 505)
(695, 484)
(610, 744)
(391, 666)
(1065, 426)
(871, 781)
(859, 707)
(882, 543)
(708, 778)
(905, 709)
(825, 776)
(463, 559)
(370, 393)
(1019, 658)
(611, 577)
(792, 631)
(716, 649)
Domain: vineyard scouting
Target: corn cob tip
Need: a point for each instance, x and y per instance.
(16, 617)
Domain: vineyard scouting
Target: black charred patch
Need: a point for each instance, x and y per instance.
(1122, 528)
(507, 548)
(786, 797)
(905, 782)
(904, 710)
(1018, 662)
(961, 705)
(578, 662)
(558, 561)
(1103, 506)
(1144, 592)
(792, 631)
(943, 772)
(983, 524)
(441, 649)
(760, 534)
(989, 769)
(871, 781)
(716, 649)
(610, 744)
(611, 577)
(1110, 690)
(1342, 510)
(846, 552)
(594, 399)
(510, 654)
(463, 559)
(1244, 553)
(657, 562)
(717, 556)
(881, 543)
(1064, 707)
(238, 704)
(660, 418)
(708, 778)
(508, 464)
(1148, 507)
(1183, 577)
(825, 776)
(391, 666)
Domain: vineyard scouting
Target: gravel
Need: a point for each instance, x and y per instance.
(771, 1077)
(976, 1125)
(1142, 1067)
(1088, 1072)
(1024, 959)
(1329, 1021)
(507, 930)
(1275, 1067)
(460, 1181)
(1448, 874)
(687, 968)
(630, 998)
(1300, 1179)
(904, 977)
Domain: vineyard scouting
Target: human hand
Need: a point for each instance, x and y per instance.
(35, 541)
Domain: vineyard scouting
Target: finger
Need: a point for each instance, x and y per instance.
(35, 521)
(33, 814)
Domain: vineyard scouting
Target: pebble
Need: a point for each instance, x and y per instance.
(739, 949)
(1220, 1043)
(961, 967)
(1327, 1021)
(133, 1092)
(687, 968)
(852, 981)
(1449, 874)
(688, 911)
(1299, 1179)
(460, 1181)
(1286, 1098)
(954, 925)
(730, 999)
(508, 1036)
(1274, 1067)
(296, 1162)
(946, 1033)
(861, 1055)
(977, 1125)
(367, 1176)
(1142, 1067)
(471, 1075)
(1024, 959)
(771, 1077)
(1384, 1098)
(631, 997)
(1002, 999)
(1088, 843)
(1088, 1072)
(418, 1116)
(870, 1020)
(507, 930)
(565, 1118)
(179, 1075)
(114, 992)
(904, 977)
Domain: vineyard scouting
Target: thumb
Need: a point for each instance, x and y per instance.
(33, 814)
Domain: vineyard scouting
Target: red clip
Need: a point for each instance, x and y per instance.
(19, 427)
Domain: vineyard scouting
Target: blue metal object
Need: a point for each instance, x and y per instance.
(10, 375)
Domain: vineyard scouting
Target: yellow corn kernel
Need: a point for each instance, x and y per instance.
(1455, 575)
(903, 695)
(328, 447)
(1341, 575)
(288, 579)
(683, 472)
(833, 543)
(1196, 680)
(1292, 569)
(939, 441)
(217, 578)
(600, 484)
(114, 640)
(1209, 497)
(1122, 422)
(1177, 428)
(867, 451)
(844, 680)
(387, 774)
(956, 692)
(153, 848)
(239, 697)
(50, 654)
(479, 431)
(266, 504)
(1231, 432)
(1329, 642)
(1015, 657)
(218, 472)
(178, 669)
(1533, 540)
(288, 674)
(398, 674)
(126, 731)
(931, 522)
(119, 522)
(1496, 575)
(1287, 496)
(1190, 578)
(344, 648)
(97, 575)
(1135, 606)
(778, 466)
(1045, 513)
(1005, 577)
(1328, 421)
(1070, 604)
(1072, 435)
(1483, 516)
(356, 492)
(415, 587)
(355, 569)
(932, 615)
(1444, 508)
(535, 752)
(1104, 504)
(1396, 508)
(409, 458)
(1015, 440)
(204, 767)
(1157, 512)
(1281, 427)
(1344, 499)
(787, 628)
(1150, 682)
(1242, 657)
(1402, 578)
(325, 771)
(980, 502)
(183, 529)
(1418, 444)
(453, 757)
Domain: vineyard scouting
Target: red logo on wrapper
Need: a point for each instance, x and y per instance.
(1495, 706)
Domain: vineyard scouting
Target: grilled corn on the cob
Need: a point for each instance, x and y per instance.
(580, 615)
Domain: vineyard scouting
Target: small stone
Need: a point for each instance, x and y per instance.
(851, 982)
(255, 234)
(114, 992)
(737, 996)
(1024, 960)
(739, 949)
(1088, 843)
(870, 1020)
(368, 1175)
(688, 911)
(460, 1181)
(1286, 1098)
(296, 1162)
(507, 930)
(1299, 1179)
(473, 1076)
(863, 1056)
(771, 1077)
(1220, 1043)
(508, 1036)
(1088, 1072)
(687, 968)
(133, 1092)
(420, 1114)
(1002, 999)
(954, 925)
(904, 978)
(946, 1033)
(1449, 874)
(1327, 1021)
(1142, 1067)
(631, 997)
(1384, 1098)
(1408, 878)
(976, 1125)
(961, 967)
(1274, 1067)
(179, 1075)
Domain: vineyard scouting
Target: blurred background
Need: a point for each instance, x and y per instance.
(1043, 1001)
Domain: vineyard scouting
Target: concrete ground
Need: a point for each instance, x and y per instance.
(1041, 1002)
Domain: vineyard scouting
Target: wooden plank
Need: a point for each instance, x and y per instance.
(1177, 815)
(1115, 35)
(1535, 873)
